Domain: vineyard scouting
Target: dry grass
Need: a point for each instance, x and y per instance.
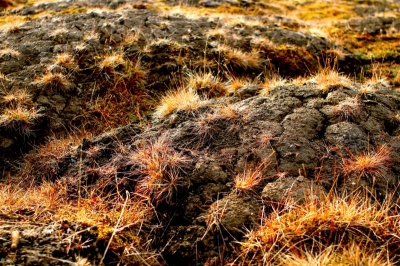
(271, 83)
(228, 112)
(17, 97)
(110, 62)
(217, 33)
(348, 109)
(43, 162)
(262, 43)
(132, 38)
(158, 167)
(378, 77)
(299, 81)
(51, 202)
(298, 234)
(91, 36)
(54, 82)
(350, 254)
(214, 217)
(59, 34)
(3, 76)
(250, 178)
(12, 26)
(64, 60)
(235, 58)
(328, 78)
(206, 84)
(19, 118)
(370, 164)
(236, 83)
(179, 100)
(119, 69)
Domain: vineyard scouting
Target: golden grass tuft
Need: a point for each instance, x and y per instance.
(91, 36)
(396, 79)
(12, 26)
(110, 62)
(370, 164)
(235, 83)
(65, 60)
(121, 70)
(318, 224)
(50, 202)
(299, 81)
(132, 38)
(328, 78)
(249, 179)
(235, 58)
(17, 97)
(252, 176)
(228, 112)
(3, 76)
(54, 82)
(206, 84)
(271, 83)
(43, 161)
(19, 118)
(349, 254)
(262, 43)
(216, 32)
(179, 100)
(378, 77)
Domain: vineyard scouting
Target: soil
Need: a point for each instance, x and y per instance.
(299, 134)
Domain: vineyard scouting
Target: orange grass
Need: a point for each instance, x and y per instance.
(158, 166)
(369, 164)
(55, 81)
(251, 177)
(321, 222)
(179, 100)
(328, 78)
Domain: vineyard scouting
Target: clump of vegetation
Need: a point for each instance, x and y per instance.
(179, 100)
(17, 97)
(322, 229)
(271, 83)
(19, 119)
(372, 164)
(235, 58)
(120, 70)
(235, 83)
(54, 82)
(65, 61)
(206, 84)
(328, 78)
(251, 177)
(348, 109)
(44, 162)
(159, 168)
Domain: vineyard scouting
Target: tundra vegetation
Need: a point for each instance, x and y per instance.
(203, 132)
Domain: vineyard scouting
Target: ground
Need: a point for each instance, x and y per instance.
(199, 133)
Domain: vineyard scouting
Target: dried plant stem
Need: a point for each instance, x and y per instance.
(116, 228)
